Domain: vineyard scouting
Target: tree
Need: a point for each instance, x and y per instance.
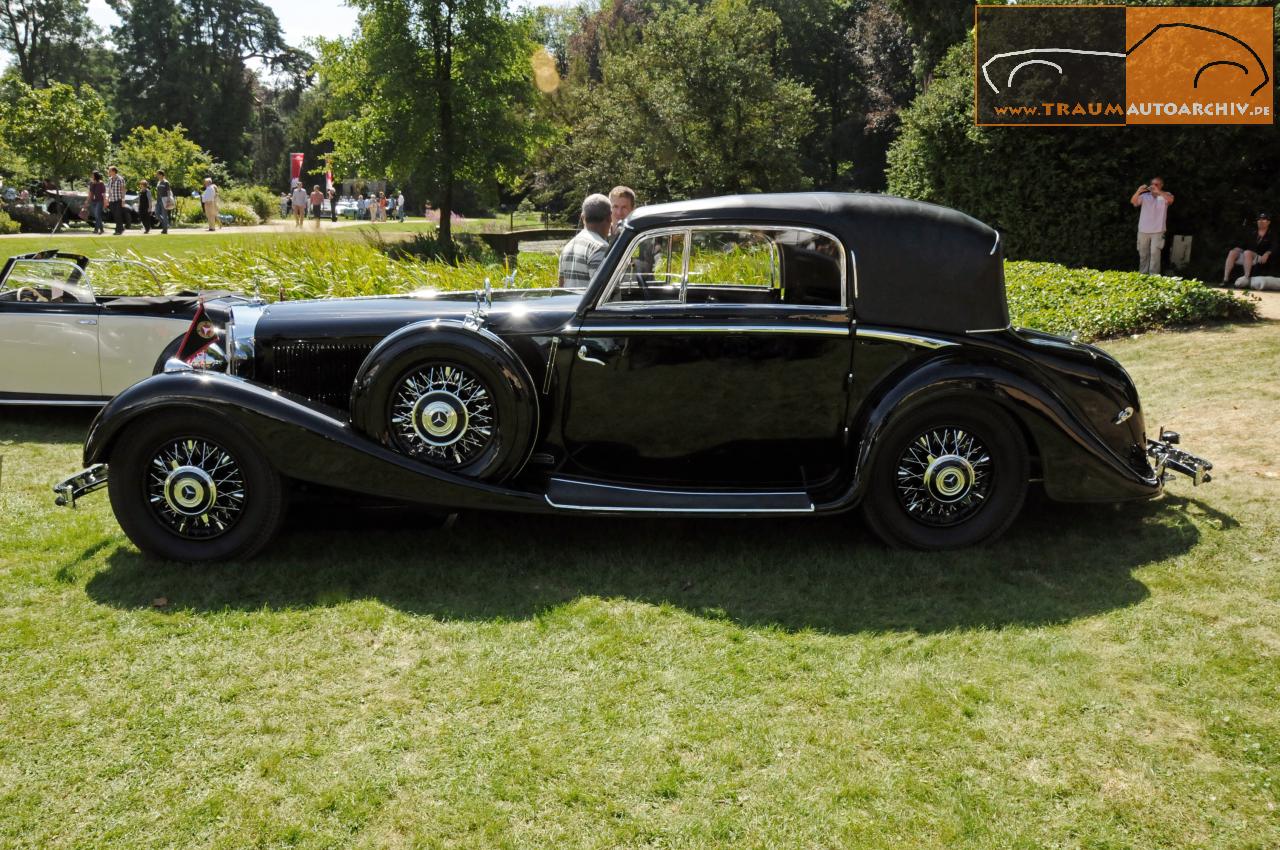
(49, 39)
(456, 108)
(151, 149)
(186, 62)
(61, 131)
(700, 107)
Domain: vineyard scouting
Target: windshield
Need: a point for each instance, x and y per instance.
(46, 280)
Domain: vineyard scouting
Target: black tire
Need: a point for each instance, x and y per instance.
(191, 521)
(962, 486)
(481, 393)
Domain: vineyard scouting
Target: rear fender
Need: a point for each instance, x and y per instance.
(1077, 465)
(300, 440)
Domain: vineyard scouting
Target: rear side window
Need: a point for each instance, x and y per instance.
(740, 265)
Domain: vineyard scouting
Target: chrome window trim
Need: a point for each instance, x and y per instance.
(909, 338)
(846, 256)
(820, 330)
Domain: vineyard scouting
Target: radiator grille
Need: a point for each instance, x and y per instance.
(319, 371)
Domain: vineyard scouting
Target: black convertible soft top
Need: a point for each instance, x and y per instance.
(180, 303)
(915, 264)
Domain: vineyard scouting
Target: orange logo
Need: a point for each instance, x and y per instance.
(1116, 65)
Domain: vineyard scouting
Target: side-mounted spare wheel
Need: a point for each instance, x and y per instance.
(193, 487)
(946, 475)
(452, 397)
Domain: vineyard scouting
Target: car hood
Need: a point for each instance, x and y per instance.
(512, 310)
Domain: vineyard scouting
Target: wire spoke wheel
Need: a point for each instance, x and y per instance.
(944, 477)
(195, 488)
(442, 413)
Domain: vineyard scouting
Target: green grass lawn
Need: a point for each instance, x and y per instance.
(1104, 677)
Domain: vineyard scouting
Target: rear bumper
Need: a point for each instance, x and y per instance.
(1167, 458)
(82, 483)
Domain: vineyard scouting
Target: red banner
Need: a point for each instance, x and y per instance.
(295, 166)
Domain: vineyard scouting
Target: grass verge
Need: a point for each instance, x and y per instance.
(1105, 676)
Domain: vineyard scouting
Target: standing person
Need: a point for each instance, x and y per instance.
(165, 202)
(333, 206)
(284, 205)
(1153, 202)
(144, 205)
(317, 204)
(361, 203)
(209, 199)
(622, 202)
(115, 197)
(1253, 248)
(97, 200)
(382, 206)
(400, 206)
(583, 254)
(299, 202)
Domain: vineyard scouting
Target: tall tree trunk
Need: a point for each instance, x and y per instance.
(444, 80)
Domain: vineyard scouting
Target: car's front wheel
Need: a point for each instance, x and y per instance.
(187, 487)
(947, 475)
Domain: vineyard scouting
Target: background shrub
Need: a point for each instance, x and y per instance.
(1059, 194)
(8, 225)
(265, 203)
(190, 211)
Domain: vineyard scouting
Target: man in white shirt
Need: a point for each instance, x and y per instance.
(299, 204)
(209, 199)
(582, 256)
(400, 206)
(1153, 202)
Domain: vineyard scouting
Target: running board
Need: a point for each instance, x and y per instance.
(572, 494)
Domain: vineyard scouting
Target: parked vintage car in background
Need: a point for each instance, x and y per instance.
(764, 355)
(62, 343)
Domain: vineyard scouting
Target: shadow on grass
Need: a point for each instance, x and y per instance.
(1058, 563)
(45, 424)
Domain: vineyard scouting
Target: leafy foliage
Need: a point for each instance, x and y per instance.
(61, 131)
(261, 200)
(8, 225)
(1062, 194)
(699, 107)
(148, 149)
(1097, 304)
(52, 41)
(192, 212)
(455, 109)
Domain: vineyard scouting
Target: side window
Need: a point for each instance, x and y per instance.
(812, 269)
(652, 271)
(733, 266)
(46, 280)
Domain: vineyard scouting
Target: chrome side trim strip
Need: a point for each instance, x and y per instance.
(910, 339)
(575, 482)
(995, 245)
(990, 330)
(38, 402)
(633, 510)
(821, 330)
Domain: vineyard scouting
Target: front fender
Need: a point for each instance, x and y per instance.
(1077, 464)
(300, 440)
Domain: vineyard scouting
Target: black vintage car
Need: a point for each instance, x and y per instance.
(752, 355)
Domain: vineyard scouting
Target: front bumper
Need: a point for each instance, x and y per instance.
(82, 483)
(1166, 457)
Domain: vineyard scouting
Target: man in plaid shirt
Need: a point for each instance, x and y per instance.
(584, 253)
(115, 198)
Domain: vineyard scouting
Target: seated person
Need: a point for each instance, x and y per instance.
(1252, 250)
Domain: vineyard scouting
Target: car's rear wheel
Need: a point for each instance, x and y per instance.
(945, 476)
(187, 487)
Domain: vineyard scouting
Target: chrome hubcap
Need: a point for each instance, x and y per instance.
(944, 476)
(443, 414)
(195, 488)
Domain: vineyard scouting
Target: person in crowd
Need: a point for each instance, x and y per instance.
(97, 200)
(1153, 203)
(333, 206)
(144, 205)
(24, 197)
(285, 205)
(165, 201)
(622, 201)
(382, 206)
(299, 202)
(362, 204)
(1252, 250)
(115, 197)
(209, 200)
(400, 206)
(583, 254)
(317, 204)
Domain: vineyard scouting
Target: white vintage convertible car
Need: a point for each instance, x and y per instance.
(63, 344)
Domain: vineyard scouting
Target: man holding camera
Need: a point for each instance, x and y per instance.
(1153, 202)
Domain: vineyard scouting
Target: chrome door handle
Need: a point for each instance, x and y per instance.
(586, 358)
(86, 321)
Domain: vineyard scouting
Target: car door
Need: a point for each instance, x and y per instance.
(716, 356)
(48, 333)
